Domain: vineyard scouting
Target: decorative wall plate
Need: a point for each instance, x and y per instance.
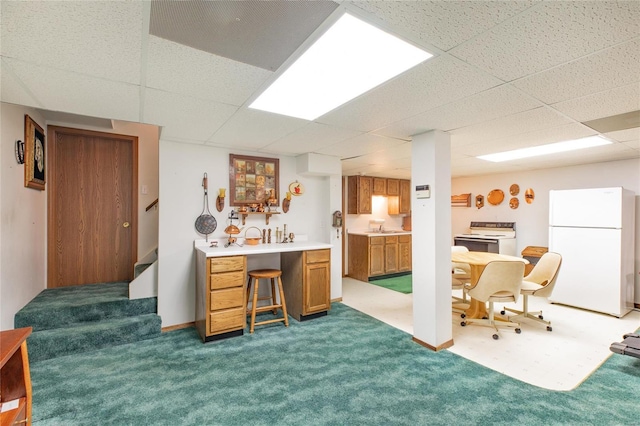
(514, 189)
(296, 188)
(529, 195)
(514, 203)
(495, 197)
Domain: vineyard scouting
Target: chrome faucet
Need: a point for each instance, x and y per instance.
(380, 229)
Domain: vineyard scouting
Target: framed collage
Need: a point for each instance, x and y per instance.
(253, 180)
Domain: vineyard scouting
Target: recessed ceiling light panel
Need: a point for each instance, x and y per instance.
(349, 59)
(553, 148)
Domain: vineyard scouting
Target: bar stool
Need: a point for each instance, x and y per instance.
(271, 274)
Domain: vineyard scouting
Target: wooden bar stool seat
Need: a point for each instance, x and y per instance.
(275, 276)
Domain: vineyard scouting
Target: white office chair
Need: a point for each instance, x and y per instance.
(538, 283)
(500, 281)
(460, 275)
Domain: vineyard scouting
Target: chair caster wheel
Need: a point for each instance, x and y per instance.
(496, 337)
(463, 323)
(518, 331)
(503, 312)
(549, 328)
(540, 316)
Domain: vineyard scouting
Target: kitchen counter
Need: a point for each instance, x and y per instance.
(235, 250)
(380, 234)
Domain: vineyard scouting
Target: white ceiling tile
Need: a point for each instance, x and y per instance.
(310, 138)
(253, 129)
(66, 91)
(608, 69)
(12, 90)
(487, 105)
(604, 104)
(99, 38)
(433, 83)
(549, 34)
(522, 122)
(633, 145)
(627, 135)
(361, 145)
(444, 24)
(181, 69)
(535, 138)
(182, 117)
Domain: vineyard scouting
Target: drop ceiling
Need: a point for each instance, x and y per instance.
(505, 75)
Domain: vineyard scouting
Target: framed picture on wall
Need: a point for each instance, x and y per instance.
(253, 180)
(34, 164)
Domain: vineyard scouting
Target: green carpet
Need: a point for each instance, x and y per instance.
(401, 284)
(343, 369)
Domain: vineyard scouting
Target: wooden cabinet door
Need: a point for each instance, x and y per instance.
(393, 187)
(376, 256)
(360, 192)
(391, 255)
(317, 279)
(404, 253)
(405, 197)
(379, 186)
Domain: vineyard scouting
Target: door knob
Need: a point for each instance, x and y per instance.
(125, 225)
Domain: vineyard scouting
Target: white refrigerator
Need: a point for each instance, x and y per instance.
(593, 231)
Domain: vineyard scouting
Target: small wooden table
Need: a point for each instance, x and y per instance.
(15, 379)
(477, 260)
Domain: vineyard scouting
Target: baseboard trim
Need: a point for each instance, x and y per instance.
(445, 345)
(178, 326)
(337, 299)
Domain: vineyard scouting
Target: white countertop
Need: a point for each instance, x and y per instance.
(389, 233)
(235, 250)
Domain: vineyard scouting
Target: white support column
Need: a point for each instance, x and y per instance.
(431, 230)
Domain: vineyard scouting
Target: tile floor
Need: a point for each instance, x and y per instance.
(558, 360)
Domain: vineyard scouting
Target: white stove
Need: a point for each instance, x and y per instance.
(492, 237)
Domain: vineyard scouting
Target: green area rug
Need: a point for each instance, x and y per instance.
(401, 284)
(342, 369)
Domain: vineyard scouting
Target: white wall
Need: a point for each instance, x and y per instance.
(23, 221)
(532, 220)
(181, 197)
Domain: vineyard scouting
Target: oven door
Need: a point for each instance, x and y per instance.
(478, 244)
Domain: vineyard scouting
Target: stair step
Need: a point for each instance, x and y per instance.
(83, 337)
(60, 307)
(138, 269)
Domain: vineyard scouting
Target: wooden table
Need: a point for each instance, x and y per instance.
(477, 260)
(15, 379)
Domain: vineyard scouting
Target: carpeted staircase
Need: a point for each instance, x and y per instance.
(83, 318)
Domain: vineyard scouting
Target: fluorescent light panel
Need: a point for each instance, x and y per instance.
(349, 59)
(553, 148)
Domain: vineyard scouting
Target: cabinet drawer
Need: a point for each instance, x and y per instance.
(318, 256)
(404, 238)
(391, 240)
(227, 319)
(227, 298)
(224, 264)
(376, 240)
(227, 279)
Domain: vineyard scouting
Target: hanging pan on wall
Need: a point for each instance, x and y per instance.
(205, 223)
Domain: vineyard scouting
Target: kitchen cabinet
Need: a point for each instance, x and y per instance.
(379, 186)
(373, 256)
(15, 378)
(400, 204)
(221, 298)
(360, 192)
(404, 253)
(393, 187)
(306, 279)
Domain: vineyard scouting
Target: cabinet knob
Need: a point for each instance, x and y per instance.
(125, 225)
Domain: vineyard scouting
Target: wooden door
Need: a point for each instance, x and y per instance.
(376, 256)
(317, 281)
(92, 217)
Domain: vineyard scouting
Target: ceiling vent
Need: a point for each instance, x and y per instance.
(628, 120)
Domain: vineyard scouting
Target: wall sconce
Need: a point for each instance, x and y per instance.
(20, 152)
(220, 200)
(286, 202)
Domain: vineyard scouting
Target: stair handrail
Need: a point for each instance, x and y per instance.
(150, 206)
